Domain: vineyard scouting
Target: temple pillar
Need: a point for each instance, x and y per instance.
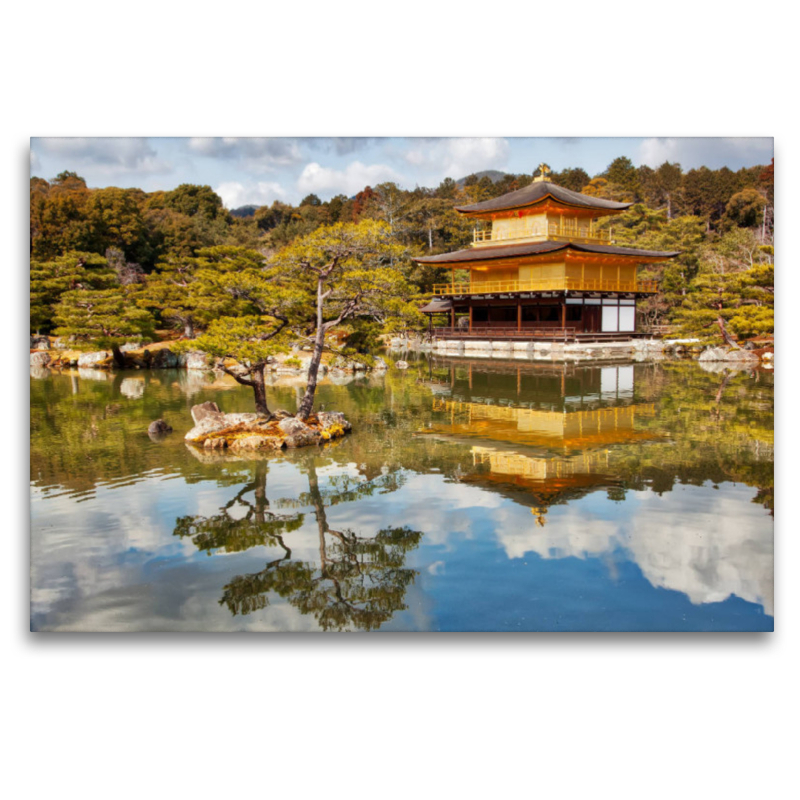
(519, 315)
(470, 318)
(452, 316)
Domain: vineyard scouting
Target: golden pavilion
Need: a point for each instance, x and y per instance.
(540, 267)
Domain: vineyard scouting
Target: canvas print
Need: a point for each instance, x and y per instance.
(401, 384)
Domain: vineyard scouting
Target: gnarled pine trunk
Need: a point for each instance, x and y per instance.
(260, 391)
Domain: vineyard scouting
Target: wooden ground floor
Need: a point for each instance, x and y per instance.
(530, 316)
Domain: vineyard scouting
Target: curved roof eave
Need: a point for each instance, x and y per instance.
(538, 192)
(537, 248)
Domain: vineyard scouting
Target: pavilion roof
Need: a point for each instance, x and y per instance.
(537, 192)
(436, 305)
(537, 248)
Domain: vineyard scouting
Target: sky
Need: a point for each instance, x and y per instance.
(258, 171)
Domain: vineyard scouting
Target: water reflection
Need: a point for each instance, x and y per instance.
(581, 443)
(357, 582)
(470, 496)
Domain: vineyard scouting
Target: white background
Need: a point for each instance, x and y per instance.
(563, 716)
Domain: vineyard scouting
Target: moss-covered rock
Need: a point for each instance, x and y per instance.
(214, 430)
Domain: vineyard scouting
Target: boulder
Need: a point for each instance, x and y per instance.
(40, 359)
(741, 355)
(333, 423)
(93, 360)
(59, 344)
(129, 346)
(401, 364)
(767, 356)
(163, 359)
(39, 342)
(195, 360)
(297, 433)
(380, 365)
(203, 410)
(159, 427)
(713, 354)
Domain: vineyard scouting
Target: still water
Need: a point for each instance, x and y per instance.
(469, 497)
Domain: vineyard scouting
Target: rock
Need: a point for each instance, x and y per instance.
(359, 366)
(254, 442)
(217, 422)
(740, 355)
(159, 427)
(59, 344)
(767, 356)
(40, 359)
(132, 388)
(332, 423)
(164, 359)
(128, 346)
(713, 354)
(297, 433)
(93, 360)
(380, 365)
(203, 410)
(401, 364)
(39, 342)
(195, 360)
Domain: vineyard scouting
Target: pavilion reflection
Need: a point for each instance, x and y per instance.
(541, 434)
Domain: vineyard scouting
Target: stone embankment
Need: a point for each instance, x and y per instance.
(635, 349)
(53, 354)
(214, 430)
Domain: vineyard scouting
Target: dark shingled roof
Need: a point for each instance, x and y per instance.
(538, 191)
(436, 305)
(536, 248)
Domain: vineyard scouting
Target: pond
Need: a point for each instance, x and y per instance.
(471, 496)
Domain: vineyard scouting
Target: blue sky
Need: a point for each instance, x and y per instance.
(260, 170)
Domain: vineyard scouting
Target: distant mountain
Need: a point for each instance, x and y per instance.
(493, 174)
(244, 211)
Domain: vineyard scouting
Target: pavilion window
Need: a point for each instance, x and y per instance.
(574, 313)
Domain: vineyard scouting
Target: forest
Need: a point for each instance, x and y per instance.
(111, 265)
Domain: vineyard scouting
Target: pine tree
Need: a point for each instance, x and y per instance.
(103, 318)
(345, 271)
(50, 279)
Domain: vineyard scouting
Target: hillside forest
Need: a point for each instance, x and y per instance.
(111, 265)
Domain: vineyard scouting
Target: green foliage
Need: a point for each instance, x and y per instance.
(49, 280)
(192, 291)
(102, 317)
(363, 336)
(292, 362)
(735, 282)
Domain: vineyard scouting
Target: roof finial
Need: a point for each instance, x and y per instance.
(544, 171)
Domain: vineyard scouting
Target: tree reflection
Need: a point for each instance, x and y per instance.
(358, 581)
(231, 534)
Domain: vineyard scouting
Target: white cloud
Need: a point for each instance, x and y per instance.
(458, 157)
(260, 154)
(106, 155)
(261, 193)
(35, 163)
(328, 182)
(341, 145)
(711, 152)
